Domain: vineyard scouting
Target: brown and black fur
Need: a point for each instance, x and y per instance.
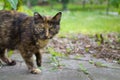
(27, 34)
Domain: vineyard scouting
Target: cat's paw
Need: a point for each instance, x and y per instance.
(12, 63)
(35, 71)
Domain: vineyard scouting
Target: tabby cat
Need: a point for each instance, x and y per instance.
(28, 34)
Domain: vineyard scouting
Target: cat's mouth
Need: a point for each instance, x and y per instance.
(47, 37)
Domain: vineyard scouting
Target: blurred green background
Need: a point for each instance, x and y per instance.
(79, 16)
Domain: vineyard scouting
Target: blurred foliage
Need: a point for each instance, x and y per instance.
(115, 3)
(64, 4)
(16, 5)
(12, 4)
(7, 5)
(30, 2)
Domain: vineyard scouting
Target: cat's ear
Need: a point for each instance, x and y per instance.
(37, 17)
(57, 17)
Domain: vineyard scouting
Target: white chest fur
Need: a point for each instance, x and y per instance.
(42, 43)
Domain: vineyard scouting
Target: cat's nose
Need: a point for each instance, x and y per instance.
(47, 37)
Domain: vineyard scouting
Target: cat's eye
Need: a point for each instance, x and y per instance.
(41, 30)
(52, 29)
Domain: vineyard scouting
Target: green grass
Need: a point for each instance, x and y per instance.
(89, 22)
(86, 22)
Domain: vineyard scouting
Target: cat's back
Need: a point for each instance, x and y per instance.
(10, 22)
(11, 19)
(11, 15)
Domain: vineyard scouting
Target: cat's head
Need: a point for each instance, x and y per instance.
(46, 27)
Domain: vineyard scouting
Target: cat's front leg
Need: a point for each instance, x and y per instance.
(28, 58)
(38, 58)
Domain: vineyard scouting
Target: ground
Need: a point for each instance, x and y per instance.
(83, 58)
(71, 69)
(106, 46)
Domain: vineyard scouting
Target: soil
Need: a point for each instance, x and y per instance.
(106, 46)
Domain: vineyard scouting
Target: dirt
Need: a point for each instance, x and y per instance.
(106, 46)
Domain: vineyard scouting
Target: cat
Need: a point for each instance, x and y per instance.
(28, 34)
